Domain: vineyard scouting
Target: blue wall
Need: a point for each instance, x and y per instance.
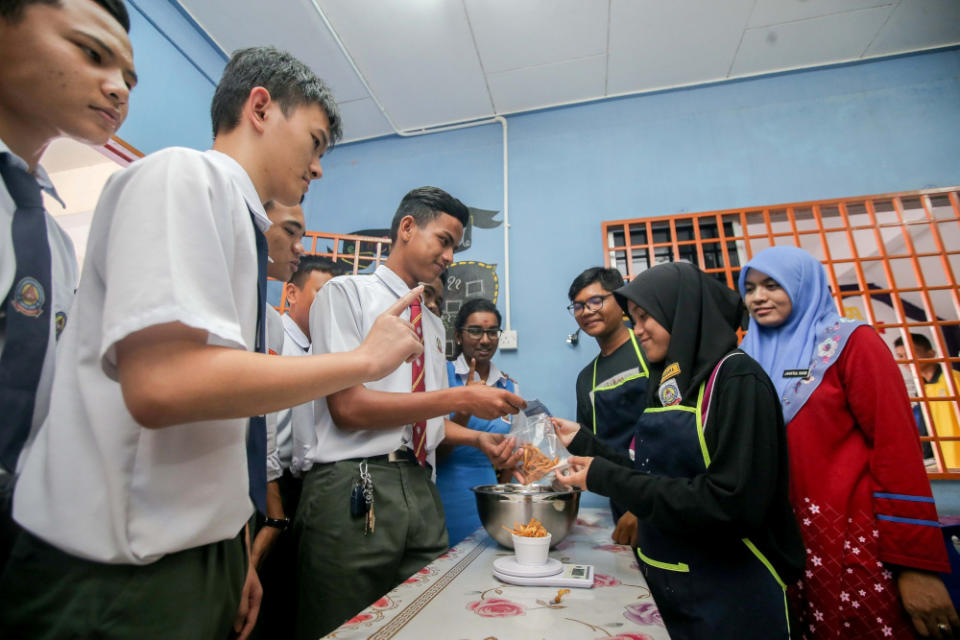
(867, 128)
(178, 69)
(876, 127)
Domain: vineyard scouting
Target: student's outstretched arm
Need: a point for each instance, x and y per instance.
(498, 447)
(362, 408)
(169, 375)
(338, 323)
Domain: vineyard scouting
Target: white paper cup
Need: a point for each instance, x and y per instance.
(531, 550)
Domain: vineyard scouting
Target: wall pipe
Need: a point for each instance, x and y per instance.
(441, 128)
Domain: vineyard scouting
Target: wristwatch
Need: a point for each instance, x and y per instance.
(277, 523)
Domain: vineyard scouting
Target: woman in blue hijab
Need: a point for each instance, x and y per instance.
(857, 481)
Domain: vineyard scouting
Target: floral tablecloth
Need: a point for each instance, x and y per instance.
(457, 597)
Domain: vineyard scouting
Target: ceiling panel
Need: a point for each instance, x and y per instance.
(804, 43)
(546, 85)
(292, 25)
(418, 57)
(439, 61)
(768, 12)
(362, 119)
(656, 44)
(919, 24)
(511, 35)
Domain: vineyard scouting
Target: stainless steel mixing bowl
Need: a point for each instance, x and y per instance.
(503, 505)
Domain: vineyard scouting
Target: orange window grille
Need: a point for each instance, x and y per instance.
(355, 254)
(892, 260)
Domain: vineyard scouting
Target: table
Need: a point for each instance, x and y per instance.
(456, 596)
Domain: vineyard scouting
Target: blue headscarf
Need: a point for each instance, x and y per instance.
(813, 335)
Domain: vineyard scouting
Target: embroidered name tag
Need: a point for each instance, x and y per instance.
(620, 377)
(670, 372)
(796, 373)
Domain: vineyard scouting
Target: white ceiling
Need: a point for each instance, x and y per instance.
(432, 62)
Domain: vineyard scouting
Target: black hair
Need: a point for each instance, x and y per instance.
(424, 205)
(309, 264)
(12, 10)
(609, 279)
(919, 340)
(472, 306)
(290, 82)
(467, 309)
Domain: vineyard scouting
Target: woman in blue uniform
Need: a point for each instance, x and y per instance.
(716, 539)
(477, 333)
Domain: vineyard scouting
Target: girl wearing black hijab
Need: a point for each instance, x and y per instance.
(717, 539)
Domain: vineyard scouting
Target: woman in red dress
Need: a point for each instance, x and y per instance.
(857, 481)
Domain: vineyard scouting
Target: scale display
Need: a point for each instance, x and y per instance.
(551, 574)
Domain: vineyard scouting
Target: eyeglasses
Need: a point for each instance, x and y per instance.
(477, 333)
(593, 303)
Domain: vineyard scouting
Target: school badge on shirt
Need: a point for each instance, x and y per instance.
(669, 393)
(28, 297)
(60, 322)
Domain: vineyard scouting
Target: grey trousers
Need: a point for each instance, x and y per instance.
(341, 570)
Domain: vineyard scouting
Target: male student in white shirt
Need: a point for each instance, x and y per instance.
(66, 69)
(388, 429)
(135, 494)
(273, 552)
(285, 248)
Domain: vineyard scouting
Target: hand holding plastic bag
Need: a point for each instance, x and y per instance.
(542, 453)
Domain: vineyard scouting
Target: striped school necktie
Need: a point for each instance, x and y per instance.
(419, 428)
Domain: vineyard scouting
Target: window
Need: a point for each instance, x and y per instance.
(356, 254)
(892, 260)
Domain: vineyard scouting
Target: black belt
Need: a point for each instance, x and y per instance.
(400, 455)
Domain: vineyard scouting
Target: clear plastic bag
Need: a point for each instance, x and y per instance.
(543, 453)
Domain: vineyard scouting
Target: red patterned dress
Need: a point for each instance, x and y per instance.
(861, 496)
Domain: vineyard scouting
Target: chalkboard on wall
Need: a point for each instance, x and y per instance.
(467, 279)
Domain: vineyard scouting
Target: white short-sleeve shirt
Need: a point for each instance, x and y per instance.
(274, 336)
(293, 342)
(171, 241)
(340, 317)
(63, 279)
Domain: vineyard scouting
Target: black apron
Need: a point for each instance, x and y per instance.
(616, 408)
(705, 586)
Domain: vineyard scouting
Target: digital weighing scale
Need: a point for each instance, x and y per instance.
(551, 574)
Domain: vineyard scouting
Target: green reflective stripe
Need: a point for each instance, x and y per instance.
(673, 408)
(593, 383)
(786, 611)
(680, 566)
(593, 395)
(640, 358)
(614, 386)
(776, 576)
(700, 436)
(765, 562)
